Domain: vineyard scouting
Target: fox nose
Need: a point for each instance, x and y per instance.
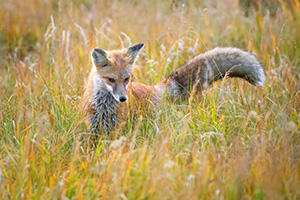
(122, 99)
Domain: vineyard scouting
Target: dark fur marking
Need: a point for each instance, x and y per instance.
(100, 51)
(105, 118)
(136, 47)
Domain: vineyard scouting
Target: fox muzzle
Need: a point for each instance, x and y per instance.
(120, 93)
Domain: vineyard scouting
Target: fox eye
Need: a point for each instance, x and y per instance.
(126, 79)
(111, 80)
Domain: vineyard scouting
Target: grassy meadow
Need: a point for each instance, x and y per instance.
(232, 141)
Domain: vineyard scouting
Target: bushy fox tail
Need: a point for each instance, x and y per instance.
(211, 66)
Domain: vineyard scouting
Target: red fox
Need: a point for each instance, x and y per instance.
(110, 93)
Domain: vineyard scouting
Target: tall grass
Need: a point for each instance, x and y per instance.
(233, 141)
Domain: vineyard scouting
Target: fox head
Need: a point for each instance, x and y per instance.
(114, 69)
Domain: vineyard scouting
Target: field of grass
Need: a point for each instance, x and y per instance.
(235, 141)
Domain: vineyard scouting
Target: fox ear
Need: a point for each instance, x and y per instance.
(134, 51)
(99, 57)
